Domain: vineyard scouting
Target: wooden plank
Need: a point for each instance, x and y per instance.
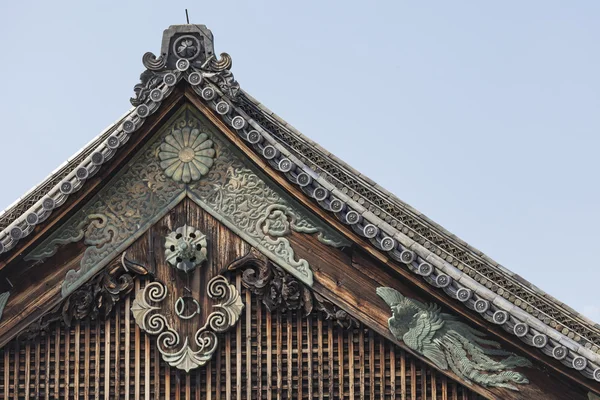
(218, 375)
(6, 373)
(97, 364)
(382, 368)
(413, 380)
(117, 340)
(57, 359)
(199, 386)
(371, 364)
(137, 350)
(320, 357)
(279, 341)
(157, 373)
(76, 361)
(147, 363)
(290, 346)
(248, 345)
(269, 387)
(403, 374)
(67, 365)
(86, 363)
(228, 366)
(168, 382)
(107, 360)
(209, 381)
(258, 349)
(444, 388)
(127, 348)
(341, 364)
(238, 351)
(361, 362)
(433, 384)
(330, 339)
(392, 372)
(309, 353)
(188, 387)
(351, 364)
(37, 366)
(17, 370)
(27, 368)
(423, 380)
(48, 365)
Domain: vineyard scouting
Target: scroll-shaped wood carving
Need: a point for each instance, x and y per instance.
(279, 290)
(177, 352)
(451, 344)
(95, 299)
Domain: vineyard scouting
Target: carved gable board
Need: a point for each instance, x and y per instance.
(275, 349)
(201, 232)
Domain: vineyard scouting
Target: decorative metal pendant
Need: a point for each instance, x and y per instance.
(185, 249)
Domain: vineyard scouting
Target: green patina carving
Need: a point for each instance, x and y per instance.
(451, 344)
(186, 154)
(3, 300)
(231, 189)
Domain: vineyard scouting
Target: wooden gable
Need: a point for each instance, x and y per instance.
(308, 261)
(282, 351)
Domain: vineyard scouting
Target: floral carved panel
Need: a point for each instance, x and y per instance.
(188, 157)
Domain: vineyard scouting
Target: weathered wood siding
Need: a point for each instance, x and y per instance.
(266, 356)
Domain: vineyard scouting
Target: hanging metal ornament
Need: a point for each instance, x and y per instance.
(185, 249)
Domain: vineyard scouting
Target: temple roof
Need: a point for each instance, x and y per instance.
(391, 226)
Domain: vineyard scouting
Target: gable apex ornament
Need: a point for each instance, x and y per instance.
(187, 50)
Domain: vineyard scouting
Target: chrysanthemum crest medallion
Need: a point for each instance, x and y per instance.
(186, 154)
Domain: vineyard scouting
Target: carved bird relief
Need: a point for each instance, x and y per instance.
(451, 344)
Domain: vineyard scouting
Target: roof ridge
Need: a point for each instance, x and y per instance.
(18, 207)
(385, 194)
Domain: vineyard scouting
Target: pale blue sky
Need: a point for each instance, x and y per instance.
(482, 115)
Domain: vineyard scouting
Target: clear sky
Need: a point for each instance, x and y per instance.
(482, 115)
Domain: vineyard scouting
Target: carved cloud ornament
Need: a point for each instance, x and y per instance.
(187, 353)
(451, 344)
(95, 300)
(280, 291)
